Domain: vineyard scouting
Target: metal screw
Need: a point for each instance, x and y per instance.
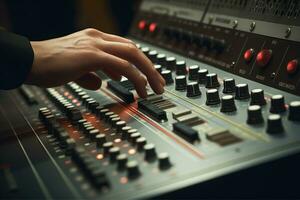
(288, 32)
(235, 23)
(252, 26)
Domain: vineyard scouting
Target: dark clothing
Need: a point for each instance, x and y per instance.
(16, 58)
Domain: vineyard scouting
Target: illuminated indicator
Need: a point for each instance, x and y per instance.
(118, 140)
(66, 93)
(264, 57)
(152, 27)
(74, 101)
(248, 55)
(67, 162)
(131, 151)
(123, 180)
(142, 24)
(292, 66)
(99, 156)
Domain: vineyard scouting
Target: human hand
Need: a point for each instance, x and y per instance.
(76, 57)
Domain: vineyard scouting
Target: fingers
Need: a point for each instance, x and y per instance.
(115, 38)
(112, 74)
(90, 81)
(134, 55)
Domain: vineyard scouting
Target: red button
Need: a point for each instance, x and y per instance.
(248, 55)
(292, 66)
(142, 24)
(264, 57)
(152, 27)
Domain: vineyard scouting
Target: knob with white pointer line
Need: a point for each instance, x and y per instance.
(164, 161)
(227, 104)
(254, 115)
(192, 89)
(242, 91)
(274, 124)
(277, 104)
(294, 111)
(212, 81)
(180, 82)
(257, 97)
(133, 169)
(167, 75)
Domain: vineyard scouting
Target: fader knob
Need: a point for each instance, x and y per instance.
(193, 72)
(254, 115)
(229, 85)
(180, 67)
(242, 91)
(212, 97)
(274, 124)
(133, 169)
(277, 104)
(164, 161)
(212, 81)
(227, 104)
(180, 82)
(202, 76)
(294, 111)
(257, 97)
(170, 63)
(192, 89)
(167, 75)
(150, 152)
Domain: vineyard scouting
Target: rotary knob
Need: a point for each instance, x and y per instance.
(193, 72)
(119, 125)
(212, 81)
(106, 146)
(113, 153)
(145, 50)
(277, 104)
(161, 59)
(192, 89)
(150, 152)
(212, 97)
(274, 124)
(227, 104)
(140, 143)
(133, 169)
(257, 97)
(180, 67)
(294, 111)
(229, 86)
(102, 112)
(242, 91)
(170, 63)
(167, 75)
(164, 161)
(254, 115)
(100, 139)
(121, 161)
(202, 76)
(180, 82)
(124, 132)
(152, 55)
(133, 137)
(158, 68)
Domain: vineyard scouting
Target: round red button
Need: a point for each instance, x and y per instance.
(248, 55)
(292, 66)
(264, 57)
(152, 27)
(142, 24)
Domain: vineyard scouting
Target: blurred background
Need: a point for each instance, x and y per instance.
(44, 19)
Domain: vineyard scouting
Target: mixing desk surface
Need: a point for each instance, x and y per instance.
(228, 124)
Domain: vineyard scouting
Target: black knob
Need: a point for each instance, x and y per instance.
(93, 133)
(133, 169)
(257, 97)
(145, 50)
(124, 131)
(150, 152)
(192, 89)
(212, 97)
(113, 153)
(121, 161)
(242, 91)
(130, 132)
(152, 55)
(274, 124)
(158, 68)
(180, 82)
(133, 137)
(167, 75)
(193, 72)
(227, 104)
(119, 125)
(180, 67)
(114, 121)
(161, 59)
(106, 146)
(100, 139)
(102, 113)
(107, 116)
(164, 161)
(202, 76)
(254, 115)
(140, 143)
(212, 81)
(277, 104)
(229, 86)
(170, 63)
(294, 111)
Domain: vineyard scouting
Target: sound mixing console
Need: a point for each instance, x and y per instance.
(227, 125)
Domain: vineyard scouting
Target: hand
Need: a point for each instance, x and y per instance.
(76, 57)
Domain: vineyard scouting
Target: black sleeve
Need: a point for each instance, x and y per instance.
(16, 58)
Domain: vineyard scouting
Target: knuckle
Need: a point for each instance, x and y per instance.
(91, 31)
(132, 48)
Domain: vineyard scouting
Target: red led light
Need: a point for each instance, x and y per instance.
(292, 66)
(142, 24)
(152, 27)
(248, 55)
(263, 57)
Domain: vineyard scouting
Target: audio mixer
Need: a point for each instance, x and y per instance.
(228, 124)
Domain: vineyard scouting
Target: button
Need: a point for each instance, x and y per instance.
(242, 91)
(120, 125)
(212, 97)
(113, 153)
(100, 139)
(161, 59)
(124, 131)
(93, 133)
(227, 104)
(114, 121)
(274, 124)
(130, 132)
(263, 57)
(133, 169)
(102, 113)
(254, 115)
(212, 81)
(193, 90)
(167, 75)
(133, 137)
(257, 97)
(164, 161)
(202, 76)
(186, 132)
(277, 104)
(121, 161)
(292, 67)
(294, 111)
(170, 63)
(193, 72)
(142, 25)
(145, 50)
(158, 68)
(248, 55)
(107, 115)
(152, 55)
(106, 146)
(140, 143)
(180, 67)
(153, 27)
(180, 82)
(150, 152)
(229, 86)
